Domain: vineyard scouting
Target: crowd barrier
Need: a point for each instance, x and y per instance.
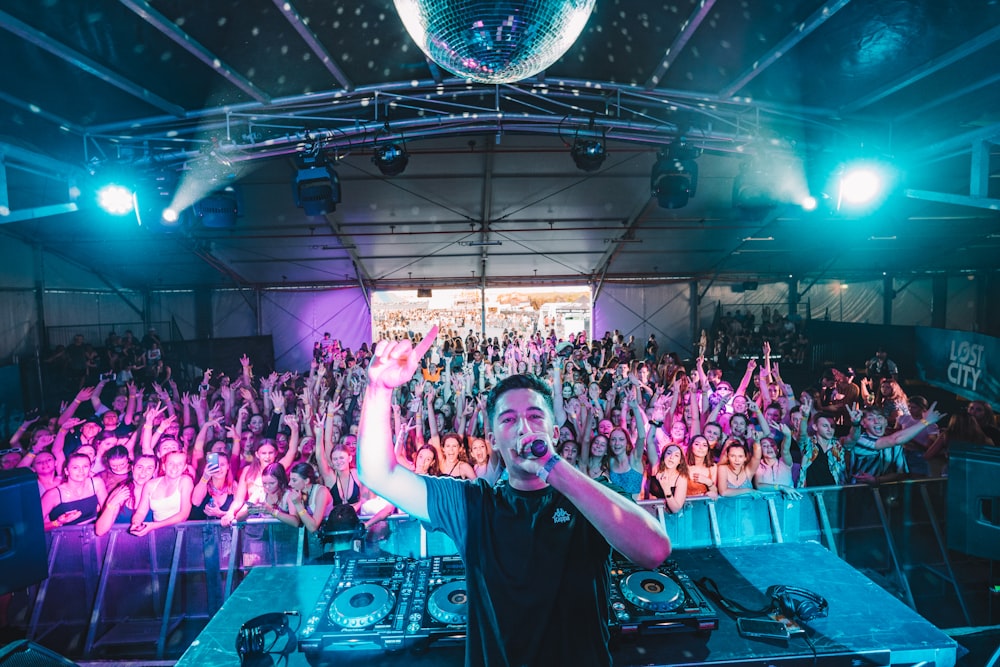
(120, 595)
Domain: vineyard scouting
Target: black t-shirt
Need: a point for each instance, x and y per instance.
(537, 574)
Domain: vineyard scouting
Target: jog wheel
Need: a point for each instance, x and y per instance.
(361, 606)
(651, 590)
(449, 603)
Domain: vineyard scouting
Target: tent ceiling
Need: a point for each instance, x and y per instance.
(238, 92)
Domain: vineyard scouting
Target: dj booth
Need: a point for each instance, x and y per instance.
(402, 611)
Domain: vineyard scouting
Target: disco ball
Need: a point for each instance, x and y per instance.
(494, 41)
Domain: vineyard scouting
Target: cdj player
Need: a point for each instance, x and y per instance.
(394, 603)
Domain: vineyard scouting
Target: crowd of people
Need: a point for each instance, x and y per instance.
(148, 453)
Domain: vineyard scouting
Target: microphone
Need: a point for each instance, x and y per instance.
(535, 449)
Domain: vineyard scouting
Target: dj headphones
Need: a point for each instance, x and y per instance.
(254, 646)
(798, 604)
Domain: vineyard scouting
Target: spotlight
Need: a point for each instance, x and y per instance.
(391, 158)
(317, 189)
(863, 184)
(153, 198)
(588, 154)
(218, 210)
(116, 199)
(860, 185)
(674, 178)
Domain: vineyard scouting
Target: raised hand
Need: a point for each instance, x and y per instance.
(395, 362)
(932, 415)
(72, 423)
(855, 412)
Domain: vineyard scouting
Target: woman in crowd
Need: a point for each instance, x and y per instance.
(454, 462)
(117, 467)
(124, 500)
(167, 496)
(625, 464)
(276, 498)
(669, 479)
(76, 500)
(702, 471)
(594, 459)
(43, 462)
(340, 478)
(890, 399)
(310, 500)
(736, 468)
(570, 451)
(426, 462)
(774, 472)
(479, 455)
(213, 495)
(250, 489)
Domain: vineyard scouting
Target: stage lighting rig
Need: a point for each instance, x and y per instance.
(219, 209)
(316, 187)
(674, 178)
(391, 158)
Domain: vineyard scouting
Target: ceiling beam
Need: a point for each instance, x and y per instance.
(309, 37)
(958, 144)
(957, 200)
(680, 41)
(171, 30)
(800, 32)
(938, 99)
(36, 212)
(41, 113)
(933, 65)
(86, 64)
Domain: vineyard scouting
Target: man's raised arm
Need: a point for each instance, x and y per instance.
(393, 365)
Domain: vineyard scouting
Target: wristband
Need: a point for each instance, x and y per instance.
(543, 474)
(56, 523)
(854, 423)
(653, 422)
(302, 512)
(29, 454)
(925, 422)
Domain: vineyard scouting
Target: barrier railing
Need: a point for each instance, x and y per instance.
(125, 596)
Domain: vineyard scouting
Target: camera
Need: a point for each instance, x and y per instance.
(108, 377)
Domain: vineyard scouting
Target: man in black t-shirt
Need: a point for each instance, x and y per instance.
(535, 548)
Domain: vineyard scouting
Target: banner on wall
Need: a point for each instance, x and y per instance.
(960, 361)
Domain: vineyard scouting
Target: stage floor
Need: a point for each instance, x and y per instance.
(865, 625)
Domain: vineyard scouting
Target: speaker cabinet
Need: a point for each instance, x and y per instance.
(23, 555)
(974, 500)
(23, 653)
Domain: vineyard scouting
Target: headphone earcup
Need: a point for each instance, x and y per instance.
(250, 641)
(798, 604)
